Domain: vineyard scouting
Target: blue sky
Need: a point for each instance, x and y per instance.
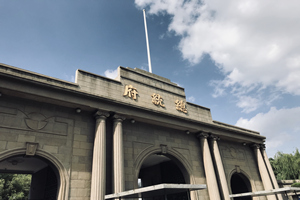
(239, 58)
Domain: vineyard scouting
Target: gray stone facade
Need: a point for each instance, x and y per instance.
(139, 116)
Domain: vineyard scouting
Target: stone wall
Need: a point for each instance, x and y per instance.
(146, 84)
(40, 109)
(240, 158)
(66, 135)
(141, 140)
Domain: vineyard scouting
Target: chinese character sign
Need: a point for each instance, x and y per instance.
(130, 92)
(180, 106)
(157, 100)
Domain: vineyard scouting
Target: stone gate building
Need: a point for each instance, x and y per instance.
(100, 137)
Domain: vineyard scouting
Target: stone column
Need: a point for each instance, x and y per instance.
(220, 168)
(99, 158)
(212, 185)
(263, 171)
(269, 167)
(118, 154)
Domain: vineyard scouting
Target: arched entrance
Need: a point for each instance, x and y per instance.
(162, 168)
(240, 184)
(41, 155)
(45, 179)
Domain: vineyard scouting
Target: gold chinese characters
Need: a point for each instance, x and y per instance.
(130, 92)
(157, 100)
(180, 106)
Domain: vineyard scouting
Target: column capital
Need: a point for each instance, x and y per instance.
(203, 134)
(214, 137)
(101, 114)
(118, 117)
(263, 146)
(256, 146)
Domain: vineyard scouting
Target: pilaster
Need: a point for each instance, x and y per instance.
(220, 168)
(99, 158)
(212, 185)
(263, 171)
(269, 167)
(118, 154)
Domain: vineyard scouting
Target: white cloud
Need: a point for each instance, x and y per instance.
(144, 68)
(280, 126)
(248, 104)
(70, 78)
(162, 36)
(255, 43)
(191, 99)
(177, 84)
(111, 73)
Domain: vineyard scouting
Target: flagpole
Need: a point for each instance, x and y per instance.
(147, 42)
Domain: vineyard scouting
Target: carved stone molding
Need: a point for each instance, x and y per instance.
(31, 148)
(164, 149)
(140, 148)
(214, 137)
(35, 121)
(256, 146)
(203, 135)
(118, 117)
(101, 114)
(238, 169)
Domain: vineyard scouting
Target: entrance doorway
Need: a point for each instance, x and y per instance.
(45, 179)
(240, 184)
(158, 169)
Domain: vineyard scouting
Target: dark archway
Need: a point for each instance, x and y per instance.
(45, 176)
(240, 184)
(158, 169)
